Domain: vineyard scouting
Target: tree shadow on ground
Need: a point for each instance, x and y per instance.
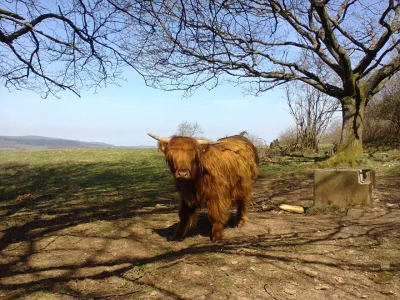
(280, 251)
(46, 199)
(100, 231)
(202, 228)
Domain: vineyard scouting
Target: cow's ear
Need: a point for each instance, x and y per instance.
(162, 146)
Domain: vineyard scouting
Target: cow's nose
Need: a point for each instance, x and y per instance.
(182, 174)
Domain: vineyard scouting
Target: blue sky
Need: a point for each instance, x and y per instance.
(122, 115)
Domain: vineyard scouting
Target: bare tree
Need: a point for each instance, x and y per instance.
(189, 129)
(345, 49)
(256, 140)
(382, 116)
(264, 152)
(333, 132)
(62, 45)
(312, 111)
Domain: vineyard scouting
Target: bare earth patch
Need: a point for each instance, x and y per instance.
(276, 255)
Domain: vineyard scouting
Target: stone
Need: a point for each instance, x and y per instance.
(197, 273)
(267, 207)
(321, 287)
(290, 291)
(385, 265)
(355, 212)
(339, 279)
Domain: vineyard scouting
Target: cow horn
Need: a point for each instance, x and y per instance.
(205, 142)
(159, 138)
(166, 140)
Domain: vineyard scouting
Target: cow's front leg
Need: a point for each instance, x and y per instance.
(217, 229)
(218, 216)
(187, 218)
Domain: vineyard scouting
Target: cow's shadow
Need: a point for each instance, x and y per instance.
(202, 228)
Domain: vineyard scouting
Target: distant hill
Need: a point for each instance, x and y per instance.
(41, 142)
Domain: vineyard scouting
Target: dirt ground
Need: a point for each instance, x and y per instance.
(276, 255)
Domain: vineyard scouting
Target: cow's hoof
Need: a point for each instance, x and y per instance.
(175, 239)
(218, 241)
(240, 225)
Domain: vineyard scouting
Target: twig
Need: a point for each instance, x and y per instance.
(271, 292)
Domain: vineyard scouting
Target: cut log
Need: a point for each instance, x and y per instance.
(292, 208)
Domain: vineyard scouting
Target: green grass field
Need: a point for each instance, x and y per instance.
(112, 175)
(82, 173)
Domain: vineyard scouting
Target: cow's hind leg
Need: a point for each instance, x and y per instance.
(241, 213)
(242, 210)
(187, 219)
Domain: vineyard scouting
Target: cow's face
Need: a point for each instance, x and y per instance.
(183, 157)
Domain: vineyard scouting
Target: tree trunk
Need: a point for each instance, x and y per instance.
(350, 147)
(309, 142)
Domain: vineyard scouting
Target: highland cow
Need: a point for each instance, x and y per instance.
(213, 175)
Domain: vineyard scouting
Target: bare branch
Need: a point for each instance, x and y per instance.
(65, 47)
(382, 41)
(10, 14)
(376, 82)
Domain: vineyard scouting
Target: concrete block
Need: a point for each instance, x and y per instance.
(343, 187)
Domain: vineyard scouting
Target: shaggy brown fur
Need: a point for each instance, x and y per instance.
(213, 176)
